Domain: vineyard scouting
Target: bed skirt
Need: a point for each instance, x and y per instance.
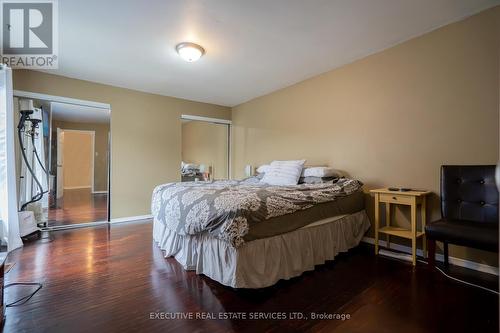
(263, 262)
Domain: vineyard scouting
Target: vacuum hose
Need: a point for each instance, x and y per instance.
(36, 154)
(20, 127)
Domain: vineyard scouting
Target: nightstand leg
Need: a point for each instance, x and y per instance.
(423, 211)
(377, 217)
(388, 223)
(414, 231)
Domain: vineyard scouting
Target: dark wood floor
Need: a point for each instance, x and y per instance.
(110, 279)
(79, 206)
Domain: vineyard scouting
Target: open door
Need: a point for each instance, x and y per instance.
(60, 161)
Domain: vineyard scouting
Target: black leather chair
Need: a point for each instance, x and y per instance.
(469, 210)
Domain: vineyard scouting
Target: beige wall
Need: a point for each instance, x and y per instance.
(145, 134)
(77, 159)
(390, 119)
(101, 148)
(206, 143)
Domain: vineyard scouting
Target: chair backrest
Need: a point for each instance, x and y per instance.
(469, 192)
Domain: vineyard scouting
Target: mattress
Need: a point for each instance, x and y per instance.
(350, 204)
(236, 212)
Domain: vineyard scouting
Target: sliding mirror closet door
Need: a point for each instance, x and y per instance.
(205, 150)
(68, 152)
(79, 170)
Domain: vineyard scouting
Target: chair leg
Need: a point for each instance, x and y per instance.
(431, 253)
(445, 254)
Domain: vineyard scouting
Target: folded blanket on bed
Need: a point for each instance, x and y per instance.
(226, 209)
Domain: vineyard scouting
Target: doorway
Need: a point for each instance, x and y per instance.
(76, 147)
(77, 199)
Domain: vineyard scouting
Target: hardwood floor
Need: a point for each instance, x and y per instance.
(79, 206)
(110, 279)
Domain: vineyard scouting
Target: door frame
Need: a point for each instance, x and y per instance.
(92, 159)
(82, 102)
(218, 121)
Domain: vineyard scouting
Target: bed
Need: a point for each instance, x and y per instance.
(191, 172)
(246, 234)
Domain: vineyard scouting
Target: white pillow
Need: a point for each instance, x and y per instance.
(284, 172)
(263, 168)
(319, 172)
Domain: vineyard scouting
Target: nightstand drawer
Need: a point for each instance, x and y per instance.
(396, 198)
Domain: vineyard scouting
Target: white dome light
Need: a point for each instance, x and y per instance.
(190, 51)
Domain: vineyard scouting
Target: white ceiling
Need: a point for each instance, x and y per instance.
(253, 47)
(79, 113)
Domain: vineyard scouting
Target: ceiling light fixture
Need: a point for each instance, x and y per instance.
(190, 51)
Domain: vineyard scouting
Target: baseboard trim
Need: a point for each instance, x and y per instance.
(75, 187)
(439, 257)
(131, 218)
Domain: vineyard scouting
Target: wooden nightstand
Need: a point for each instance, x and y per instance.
(409, 198)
